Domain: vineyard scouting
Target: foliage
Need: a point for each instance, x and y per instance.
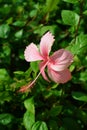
(46, 106)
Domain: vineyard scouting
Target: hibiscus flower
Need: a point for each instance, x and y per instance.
(57, 64)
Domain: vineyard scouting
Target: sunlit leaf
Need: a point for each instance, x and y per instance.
(4, 31)
(19, 23)
(51, 5)
(80, 45)
(34, 66)
(28, 120)
(80, 96)
(83, 76)
(71, 1)
(29, 116)
(70, 17)
(19, 34)
(39, 126)
(29, 105)
(44, 29)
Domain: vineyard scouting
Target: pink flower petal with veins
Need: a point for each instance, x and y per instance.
(42, 66)
(61, 59)
(46, 44)
(31, 53)
(59, 77)
(57, 64)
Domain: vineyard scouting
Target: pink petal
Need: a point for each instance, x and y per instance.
(60, 60)
(42, 67)
(46, 44)
(59, 77)
(31, 53)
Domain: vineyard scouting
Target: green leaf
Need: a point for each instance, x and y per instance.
(4, 96)
(54, 86)
(70, 17)
(79, 46)
(28, 119)
(33, 13)
(80, 96)
(5, 118)
(9, 20)
(83, 76)
(39, 125)
(81, 42)
(3, 74)
(72, 67)
(44, 29)
(34, 66)
(29, 105)
(85, 12)
(51, 5)
(19, 72)
(6, 50)
(4, 31)
(5, 10)
(71, 1)
(19, 23)
(19, 34)
(29, 116)
(55, 111)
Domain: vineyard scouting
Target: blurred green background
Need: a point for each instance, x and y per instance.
(47, 106)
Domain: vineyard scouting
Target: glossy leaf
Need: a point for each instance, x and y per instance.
(70, 17)
(83, 76)
(34, 66)
(51, 5)
(19, 34)
(28, 120)
(19, 23)
(55, 111)
(4, 31)
(39, 126)
(71, 1)
(29, 105)
(80, 96)
(29, 116)
(79, 46)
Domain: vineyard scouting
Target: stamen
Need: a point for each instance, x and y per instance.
(30, 85)
(25, 88)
